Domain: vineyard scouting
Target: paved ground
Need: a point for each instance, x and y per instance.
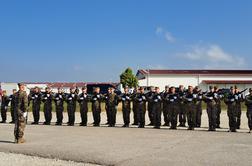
(10, 159)
(133, 146)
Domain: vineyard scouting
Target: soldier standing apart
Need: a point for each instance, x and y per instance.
(4, 106)
(182, 109)
(20, 113)
(190, 103)
(35, 97)
(71, 106)
(150, 104)
(47, 99)
(248, 103)
(83, 102)
(141, 107)
(218, 106)
(211, 98)
(12, 100)
(59, 103)
(112, 102)
(172, 103)
(239, 98)
(96, 106)
(198, 106)
(230, 101)
(156, 107)
(167, 118)
(126, 98)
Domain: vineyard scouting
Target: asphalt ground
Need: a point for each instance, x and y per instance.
(133, 146)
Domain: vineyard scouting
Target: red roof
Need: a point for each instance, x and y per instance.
(71, 84)
(197, 72)
(227, 81)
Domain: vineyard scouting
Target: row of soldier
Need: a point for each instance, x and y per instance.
(174, 104)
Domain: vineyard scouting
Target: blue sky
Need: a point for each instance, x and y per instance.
(95, 40)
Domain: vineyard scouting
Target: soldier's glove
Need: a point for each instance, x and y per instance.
(25, 114)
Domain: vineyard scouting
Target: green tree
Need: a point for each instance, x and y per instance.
(128, 78)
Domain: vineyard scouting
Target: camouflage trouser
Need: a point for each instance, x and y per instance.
(157, 115)
(191, 115)
(218, 112)
(135, 114)
(19, 126)
(198, 114)
(126, 115)
(36, 113)
(59, 114)
(249, 116)
(151, 113)
(3, 114)
(12, 114)
(182, 114)
(141, 116)
(211, 112)
(173, 115)
(232, 115)
(96, 115)
(239, 112)
(167, 118)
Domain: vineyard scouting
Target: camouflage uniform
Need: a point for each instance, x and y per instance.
(83, 102)
(4, 108)
(135, 114)
(21, 107)
(230, 100)
(199, 110)
(47, 99)
(36, 102)
(172, 104)
(126, 98)
(157, 109)
(150, 104)
(166, 114)
(211, 98)
(190, 103)
(248, 102)
(59, 104)
(12, 100)
(96, 108)
(71, 108)
(111, 104)
(218, 109)
(240, 99)
(182, 109)
(141, 108)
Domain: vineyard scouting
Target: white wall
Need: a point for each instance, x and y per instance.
(8, 87)
(194, 80)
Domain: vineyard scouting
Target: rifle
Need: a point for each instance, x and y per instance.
(244, 90)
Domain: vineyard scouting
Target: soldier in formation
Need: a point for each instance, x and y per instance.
(183, 105)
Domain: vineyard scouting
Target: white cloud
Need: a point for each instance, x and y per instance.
(166, 34)
(77, 68)
(159, 30)
(213, 56)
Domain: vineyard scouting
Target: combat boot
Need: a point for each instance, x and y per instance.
(20, 141)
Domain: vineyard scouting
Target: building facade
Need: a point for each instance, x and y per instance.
(201, 78)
